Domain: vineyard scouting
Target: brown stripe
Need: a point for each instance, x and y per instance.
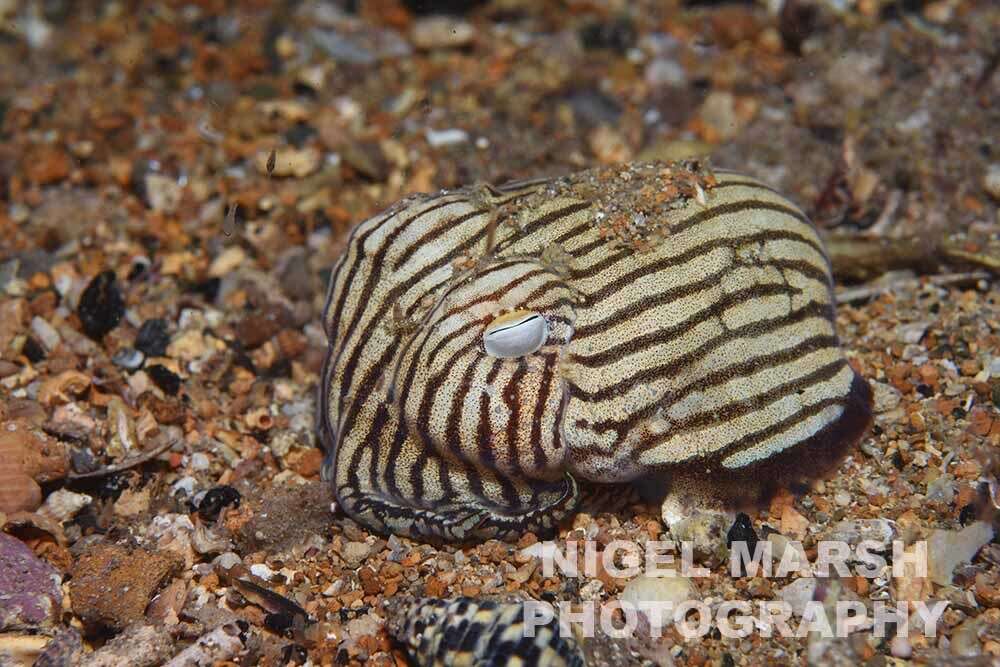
(662, 335)
(541, 461)
(683, 258)
(512, 399)
(651, 374)
(757, 437)
(734, 411)
(717, 378)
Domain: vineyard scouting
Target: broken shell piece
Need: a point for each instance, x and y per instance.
(58, 390)
(22, 648)
(121, 429)
(62, 505)
(259, 419)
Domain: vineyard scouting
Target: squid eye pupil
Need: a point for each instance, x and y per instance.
(515, 334)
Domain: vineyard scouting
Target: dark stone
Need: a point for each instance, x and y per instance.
(796, 22)
(442, 6)
(165, 379)
(294, 654)
(82, 460)
(258, 327)
(591, 107)
(209, 289)
(282, 368)
(279, 622)
(140, 269)
(831, 134)
(153, 338)
(967, 515)
(742, 531)
(215, 499)
(137, 179)
(894, 11)
(618, 35)
(33, 351)
(297, 135)
(716, 3)
(897, 460)
(111, 487)
(101, 305)
(58, 11)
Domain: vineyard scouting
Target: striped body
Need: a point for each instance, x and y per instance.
(690, 337)
(466, 632)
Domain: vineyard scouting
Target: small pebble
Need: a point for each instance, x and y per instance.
(163, 193)
(965, 639)
(227, 261)
(647, 589)
(941, 490)
(227, 560)
(663, 72)
(718, 112)
(279, 622)
(991, 181)
(153, 338)
(215, 499)
(101, 305)
(168, 381)
(946, 549)
(609, 145)
(871, 449)
(45, 333)
(911, 332)
(128, 358)
(185, 485)
(441, 32)
(900, 647)
(263, 571)
(842, 498)
(886, 397)
(449, 137)
(200, 461)
(854, 531)
(342, 48)
(798, 593)
(742, 531)
(704, 530)
(289, 162)
(355, 553)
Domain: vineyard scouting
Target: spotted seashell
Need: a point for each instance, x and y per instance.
(492, 346)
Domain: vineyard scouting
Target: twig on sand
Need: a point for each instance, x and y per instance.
(856, 294)
(139, 459)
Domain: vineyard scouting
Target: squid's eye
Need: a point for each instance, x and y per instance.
(515, 334)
